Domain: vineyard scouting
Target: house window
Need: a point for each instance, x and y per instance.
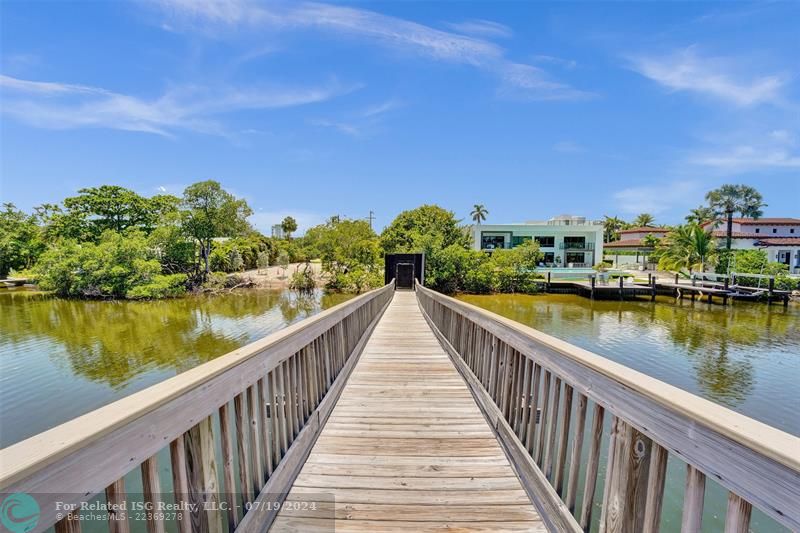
(517, 240)
(492, 242)
(774, 230)
(549, 258)
(791, 230)
(546, 242)
(758, 230)
(574, 257)
(574, 243)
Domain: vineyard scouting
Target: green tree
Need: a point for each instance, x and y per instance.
(644, 220)
(479, 213)
(110, 207)
(209, 211)
(422, 228)
(289, 226)
(262, 260)
(350, 254)
(611, 228)
(700, 215)
(21, 240)
(687, 247)
(731, 199)
(117, 266)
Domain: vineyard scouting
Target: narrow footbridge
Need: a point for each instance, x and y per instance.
(401, 411)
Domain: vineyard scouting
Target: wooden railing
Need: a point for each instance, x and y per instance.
(538, 392)
(253, 414)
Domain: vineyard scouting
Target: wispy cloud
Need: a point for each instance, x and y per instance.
(553, 60)
(568, 147)
(481, 28)
(359, 123)
(721, 78)
(657, 198)
(57, 105)
(773, 150)
(392, 32)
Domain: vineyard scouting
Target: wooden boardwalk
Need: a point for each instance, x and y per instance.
(406, 447)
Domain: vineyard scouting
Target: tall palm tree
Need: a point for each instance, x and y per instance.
(611, 227)
(689, 247)
(479, 213)
(730, 199)
(644, 220)
(700, 214)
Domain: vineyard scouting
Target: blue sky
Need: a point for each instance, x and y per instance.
(313, 109)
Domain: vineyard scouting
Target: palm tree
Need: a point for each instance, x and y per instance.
(689, 247)
(644, 220)
(730, 199)
(479, 213)
(611, 225)
(700, 215)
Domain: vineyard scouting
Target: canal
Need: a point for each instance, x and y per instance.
(62, 358)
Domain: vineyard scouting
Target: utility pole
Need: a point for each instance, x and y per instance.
(371, 217)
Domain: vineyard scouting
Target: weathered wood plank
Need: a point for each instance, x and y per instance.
(151, 493)
(694, 495)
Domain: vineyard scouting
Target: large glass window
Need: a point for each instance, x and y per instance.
(549, 258)
(574, 257)
(546, 242)
(575, 243)
(492, 242)
(516, 240)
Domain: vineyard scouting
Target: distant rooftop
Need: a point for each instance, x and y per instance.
(642, 229)
(753, 221)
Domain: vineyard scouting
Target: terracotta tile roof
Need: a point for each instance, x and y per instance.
(625, 243)
(736, 234)
(773, 221)
(779, 241)
(756, 221)
(642, 229)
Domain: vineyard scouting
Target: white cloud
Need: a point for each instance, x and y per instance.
(657, 198)
(65, 106)
(685, 70)
(481, 28)
(567, 147)
(552, 60)
(380, 109)
(772, 150)
(745, 157)
(392, 32)
(344, 127)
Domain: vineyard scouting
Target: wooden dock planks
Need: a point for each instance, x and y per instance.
(406, 448)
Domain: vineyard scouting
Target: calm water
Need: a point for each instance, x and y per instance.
(744, 356)
(62, 358)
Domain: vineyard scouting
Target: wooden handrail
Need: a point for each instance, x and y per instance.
(274, 384)
(757, 463)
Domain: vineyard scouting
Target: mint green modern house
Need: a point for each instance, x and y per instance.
(566, 241)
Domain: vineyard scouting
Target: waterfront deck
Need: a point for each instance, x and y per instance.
(406, 447)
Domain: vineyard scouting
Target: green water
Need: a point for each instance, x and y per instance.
(62, 358)
(745, 356)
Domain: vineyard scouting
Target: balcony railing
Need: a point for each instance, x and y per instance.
(576, 246)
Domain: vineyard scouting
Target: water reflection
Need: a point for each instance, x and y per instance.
(745, 356)
(91, 352)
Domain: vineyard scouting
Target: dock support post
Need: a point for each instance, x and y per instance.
(621, 281)
(653, 289)
(771, 291)
(709, 297)
(591, 295)
(548, 281)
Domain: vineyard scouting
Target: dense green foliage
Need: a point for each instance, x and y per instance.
(303, 279)
(21, 240)
(731, 199)
(755, 262)
(688, 247)
(350, 254)
(289, 226)
(119, 265)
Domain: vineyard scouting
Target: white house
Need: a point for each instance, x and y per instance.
(564, 240)
(779, 237)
